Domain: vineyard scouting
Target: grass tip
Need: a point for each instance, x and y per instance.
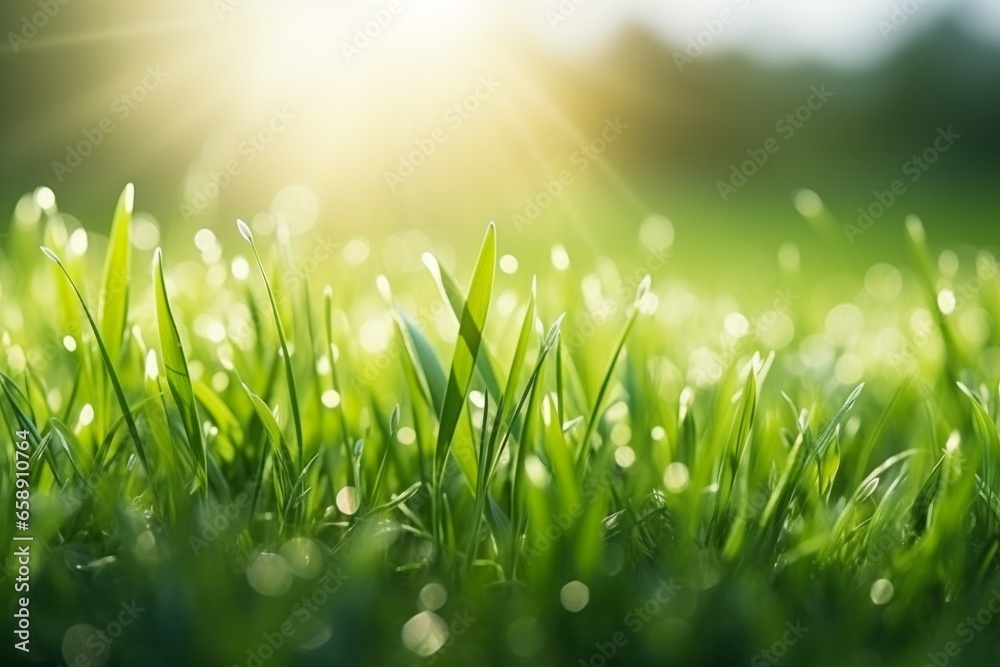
(430, 261)
(643, 289)
(244, 230)
(152, 365)
(51, 255)
(808, 203)
(128, 198)
(550, 337)
(915, 228)
(382, 283)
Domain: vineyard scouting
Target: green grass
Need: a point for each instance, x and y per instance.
(225, 450)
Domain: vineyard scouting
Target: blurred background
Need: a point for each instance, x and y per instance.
(570, 121)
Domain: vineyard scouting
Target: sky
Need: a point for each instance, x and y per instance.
(848, 33)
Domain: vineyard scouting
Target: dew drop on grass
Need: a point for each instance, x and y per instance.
(78, 241)
(425, 633)
(525, 636)
(303, 557)
(508, 264)
(477, 398)
(617, 411)
(850, 369)
(220, 381)
(45, 198)
(946, 301)
(675, 477)
(882, 591)
(204, 239)
(406, 435)
(737, 325)
(560, 258)
(240, 268)
(433, 596)
(145, 233)
(78, 642)
(347, 500)
(536, 471)
(625, 456)
(331, 398)
(883, 281)
(374, 336)
(323, 366)
(86, 415)
(574, 596)
(269, 575)
(808, 203)
(54, 399)
(146, 548)
(69, 343)
(621, 434)
(16, 361)
(948, 263)
(355, 251)
(789, 257)
(656, 233)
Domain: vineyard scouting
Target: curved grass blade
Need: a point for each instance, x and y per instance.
(178, 377)
(109, 366)
(289, 374)
(583, 455)
(283, 465)
(466, 349)
(11, 389)
(112, 311)
(453, 296)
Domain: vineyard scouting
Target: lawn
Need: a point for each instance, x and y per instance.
(263, 449)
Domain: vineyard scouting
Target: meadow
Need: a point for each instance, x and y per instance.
(250, 448)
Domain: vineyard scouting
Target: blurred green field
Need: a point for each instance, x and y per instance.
(257, 447)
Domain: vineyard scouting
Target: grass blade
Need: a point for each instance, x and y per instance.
(289, 374)
(178, 377)
(467, 347)
(112, 310)
(109, 366)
